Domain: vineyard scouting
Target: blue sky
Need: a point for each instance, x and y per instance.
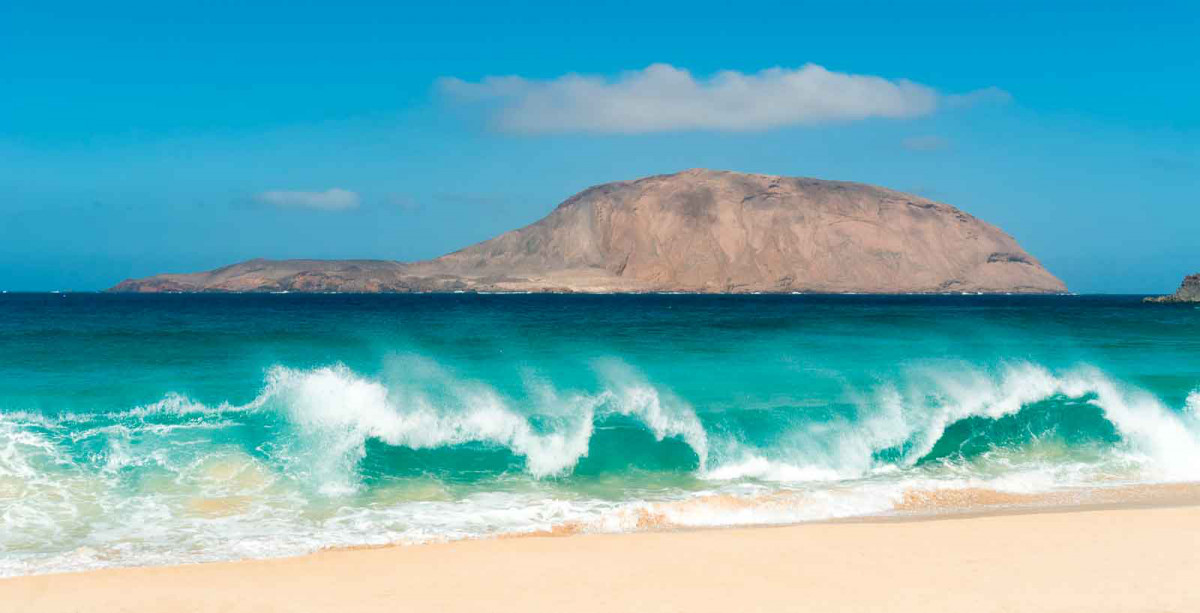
(138, 138)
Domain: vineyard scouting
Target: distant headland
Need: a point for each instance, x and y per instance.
(698, 231)
(1189, 291)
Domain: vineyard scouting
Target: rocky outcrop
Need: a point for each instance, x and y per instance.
(1189, 291)
(694, 231)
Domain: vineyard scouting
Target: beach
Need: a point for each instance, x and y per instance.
(1112, 558)
(486, 307)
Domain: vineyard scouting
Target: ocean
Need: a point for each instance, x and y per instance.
(163, 429)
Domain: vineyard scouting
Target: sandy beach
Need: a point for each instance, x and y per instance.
(555, 307)
(1095, 559)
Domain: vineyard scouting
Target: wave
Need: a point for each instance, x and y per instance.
(935, 414)
(331, 414)
(340, 411)
(901, 425)
(295, 468)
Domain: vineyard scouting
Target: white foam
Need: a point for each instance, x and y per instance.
(757, 467)
(1150, 428)
(913, 415)
(341, 410)
(665, 414)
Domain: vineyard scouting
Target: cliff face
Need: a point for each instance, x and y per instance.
(1189, 291)
(695, 231)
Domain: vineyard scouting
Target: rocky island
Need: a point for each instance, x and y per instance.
(1189, 291)
(698, 231)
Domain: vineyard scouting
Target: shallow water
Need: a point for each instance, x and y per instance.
(175, 428)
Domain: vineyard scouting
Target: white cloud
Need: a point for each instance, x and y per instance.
(663, 98)
(329, 200)
(925, 143)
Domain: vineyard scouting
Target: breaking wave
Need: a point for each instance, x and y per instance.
(341, 411)
(328, 456)
(939, 415)
(931, 415)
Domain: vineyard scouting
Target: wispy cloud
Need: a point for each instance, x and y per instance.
(664, 98)
(925, 143)
(334, 199)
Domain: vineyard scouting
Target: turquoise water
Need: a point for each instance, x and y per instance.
(175, 428)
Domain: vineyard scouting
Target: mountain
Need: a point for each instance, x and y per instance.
(693, 231)
(1189, 291)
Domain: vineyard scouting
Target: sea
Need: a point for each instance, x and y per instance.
(165, 429)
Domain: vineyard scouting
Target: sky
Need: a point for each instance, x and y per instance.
(146, 137)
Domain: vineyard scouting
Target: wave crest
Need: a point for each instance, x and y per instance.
(900, 423)
(339, 410)
(228, 480)
(897, 425)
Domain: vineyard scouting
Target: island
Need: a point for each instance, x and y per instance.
(700, 231)
(1189, 291)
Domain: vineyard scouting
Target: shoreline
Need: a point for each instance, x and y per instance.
(1136, 555)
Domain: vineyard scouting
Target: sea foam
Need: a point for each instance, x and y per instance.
(911, 416)
(339, 410)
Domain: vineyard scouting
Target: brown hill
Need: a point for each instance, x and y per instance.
(694, 231)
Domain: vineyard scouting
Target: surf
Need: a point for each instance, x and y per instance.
(489, 420)
(329, 414)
